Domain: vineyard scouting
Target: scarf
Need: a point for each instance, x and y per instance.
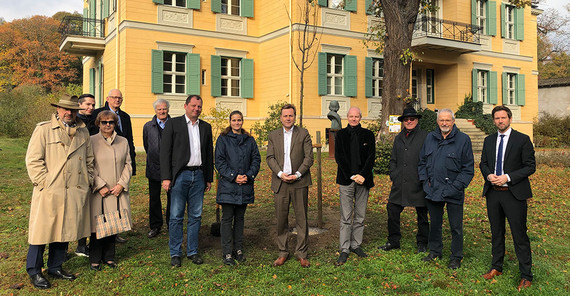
(355, 163)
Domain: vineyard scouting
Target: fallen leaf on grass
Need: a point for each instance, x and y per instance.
(4, 255)
(17, 286)
(274, 276)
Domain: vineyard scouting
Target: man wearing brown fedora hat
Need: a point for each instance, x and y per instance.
(407, 189)
(60, 165)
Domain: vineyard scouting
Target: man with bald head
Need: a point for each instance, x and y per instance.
(354, 153)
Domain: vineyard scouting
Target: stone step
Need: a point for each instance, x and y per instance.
(477, 136)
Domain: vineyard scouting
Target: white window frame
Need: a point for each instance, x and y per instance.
(430, 85)
(336, 4)
(482, 14)
(173, 73)
(377, 77)
(333, 77)
(511, 88)
(482, 86)
(232, 4)
(228, 78)
(510, 21)
(175, 3)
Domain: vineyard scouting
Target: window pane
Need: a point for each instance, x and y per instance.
(224, 67)
(181, 3)
(329, 61)
(329, 85)
(338, 65)
(180, 67)
(180, 79)
(338, 85)
(235, 68)
(179, 89)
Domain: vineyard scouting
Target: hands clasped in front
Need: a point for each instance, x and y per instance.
(116, 190)
(289, 178)
(497, 180)
(358, 179)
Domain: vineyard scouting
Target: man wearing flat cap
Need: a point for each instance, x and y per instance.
(407, 189)
(60, 165)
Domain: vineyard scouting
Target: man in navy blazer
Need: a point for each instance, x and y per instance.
(507, 161)
(187, 170)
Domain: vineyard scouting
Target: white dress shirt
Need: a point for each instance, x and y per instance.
(506, 137)
(287, 136)
(194, 138)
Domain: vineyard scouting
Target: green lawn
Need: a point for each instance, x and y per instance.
(144, 267)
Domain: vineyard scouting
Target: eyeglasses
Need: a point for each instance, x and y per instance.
(409, 119)
(115, 97)
(109, 122)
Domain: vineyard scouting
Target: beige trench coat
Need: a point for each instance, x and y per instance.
(61, 170)
(112, 167)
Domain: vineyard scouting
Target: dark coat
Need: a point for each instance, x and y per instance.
(152, 133)
(406, 186)
(88, 120)
(236, 155)
(175, 149)
(519, 163)
(127, 131)
(342, 153)
(446, 166)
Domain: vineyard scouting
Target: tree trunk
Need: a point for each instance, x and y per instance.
(399, 17)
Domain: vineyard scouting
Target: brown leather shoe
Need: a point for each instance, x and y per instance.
(491, 274)
(524, 284)
(304, 262)
(280, 261)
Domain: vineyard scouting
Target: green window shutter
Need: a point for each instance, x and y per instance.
(350, 5)
(246, 8)
(194, 4)
(519, 24)
(491, 18)
(247, 78)
(474, 12)
(322, 73)
(323, 3)
(157, 72)
(368, 77)
(85, 22)
(92, 81)
(520, 90)
(216, 76)
(105, 8)
(367, 6)
(503, 27)
(350, 76)
(504, 83)
(474, 84)
(192, 74)
(216, 6)
(158, 1)
(492, 89)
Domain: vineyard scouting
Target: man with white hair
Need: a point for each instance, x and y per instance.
(152, 134)
(446, 169)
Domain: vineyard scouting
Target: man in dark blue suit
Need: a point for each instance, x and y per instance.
(507, 161)
(187, 171)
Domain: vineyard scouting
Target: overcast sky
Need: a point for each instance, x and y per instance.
(14, 9)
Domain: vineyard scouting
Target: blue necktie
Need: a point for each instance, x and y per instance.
(499, 166)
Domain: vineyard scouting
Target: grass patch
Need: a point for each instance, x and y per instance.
(144, 267)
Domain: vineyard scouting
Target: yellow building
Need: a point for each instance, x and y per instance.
(237, 53)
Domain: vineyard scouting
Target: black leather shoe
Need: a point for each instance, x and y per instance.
(39, 281)
(175, 261)
(430, 257)
(196, 259)
(454, 264)
(61, 274)
(238, 255)
(358, 251)
(388, 246)
(153, 232)
(422, 249)
(120, 240)
(111, 264)
(228, 260)
(341, 259)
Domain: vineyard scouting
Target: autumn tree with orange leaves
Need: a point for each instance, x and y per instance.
(29, 54)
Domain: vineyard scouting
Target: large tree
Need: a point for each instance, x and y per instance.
(29, 54)
(393, 37)
(553, 44)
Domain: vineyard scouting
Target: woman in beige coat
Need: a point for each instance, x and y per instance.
(112, 174)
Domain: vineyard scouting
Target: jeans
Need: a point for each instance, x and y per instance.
(188, 191)
(232, 227)
(455, 215)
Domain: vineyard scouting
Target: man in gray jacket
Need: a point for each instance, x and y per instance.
(406, 187)
(152, 133)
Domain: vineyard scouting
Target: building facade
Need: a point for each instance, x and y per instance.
(237, 54)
